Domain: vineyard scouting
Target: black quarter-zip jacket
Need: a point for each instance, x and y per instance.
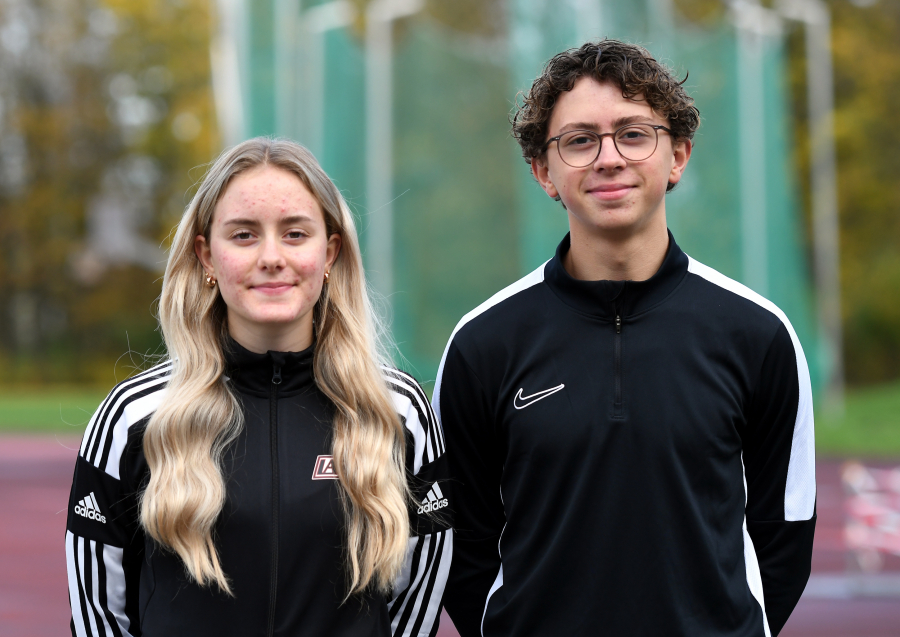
(281, 534)
(630, 458)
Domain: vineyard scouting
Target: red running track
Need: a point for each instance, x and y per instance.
(35, 475)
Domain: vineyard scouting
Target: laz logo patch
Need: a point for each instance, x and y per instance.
(324, 469)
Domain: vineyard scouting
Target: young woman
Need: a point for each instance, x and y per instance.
(271, 477)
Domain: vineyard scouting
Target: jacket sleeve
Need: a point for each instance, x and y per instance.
(464, 409)
(415, 605)
(779, 465)
(104, 544)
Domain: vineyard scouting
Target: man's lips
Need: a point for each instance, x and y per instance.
(610, 191)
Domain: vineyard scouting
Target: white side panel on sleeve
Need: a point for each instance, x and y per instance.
(498, 583)
(537, 276)
(754, 578)
(751, 563)
(800, 491)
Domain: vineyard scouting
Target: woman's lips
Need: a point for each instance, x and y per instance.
(273, 288)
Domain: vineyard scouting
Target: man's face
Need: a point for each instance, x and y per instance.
(611, 196)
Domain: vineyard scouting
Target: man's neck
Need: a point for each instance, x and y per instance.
(623, 256)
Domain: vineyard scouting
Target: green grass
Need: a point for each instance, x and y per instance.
(57, 410)
(870, 425)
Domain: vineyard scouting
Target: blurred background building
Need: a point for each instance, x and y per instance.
(109, 110)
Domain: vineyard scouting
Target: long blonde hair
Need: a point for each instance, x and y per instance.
(200, 416)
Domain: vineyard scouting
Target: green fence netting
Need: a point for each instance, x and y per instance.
(467, 218)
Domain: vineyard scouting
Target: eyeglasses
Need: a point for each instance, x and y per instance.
(634, 142)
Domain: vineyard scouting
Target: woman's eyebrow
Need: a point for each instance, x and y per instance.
(241, 221)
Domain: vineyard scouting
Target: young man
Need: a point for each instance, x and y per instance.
(632, 431)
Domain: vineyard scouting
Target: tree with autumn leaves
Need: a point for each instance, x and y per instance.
(107, 120)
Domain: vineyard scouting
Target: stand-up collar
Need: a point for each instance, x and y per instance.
(254, 373)
(605, 299)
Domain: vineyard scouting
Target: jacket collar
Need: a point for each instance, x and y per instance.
(255, 373)
(606, 299)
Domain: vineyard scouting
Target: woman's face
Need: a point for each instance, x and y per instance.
(269, 250)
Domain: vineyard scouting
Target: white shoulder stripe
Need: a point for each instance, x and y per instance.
(122, 409)
(113, 400)
(800, 492)
(529, 280)
(411, 390)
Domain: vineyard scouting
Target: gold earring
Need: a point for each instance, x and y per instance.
(210, 280)
(326, 276)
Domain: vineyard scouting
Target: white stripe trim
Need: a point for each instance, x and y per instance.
(422, 606)
(530, 280)
(422, 447)
(95, 586)
(412, 385)
(433, 439)
(119, 393)
(800, 491)
(88, 594)
(751, 563)
(754, 579)
(498, 582)
(74, 586)
(115, 587)
(133, 411)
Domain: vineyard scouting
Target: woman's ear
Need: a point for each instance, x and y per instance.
(332, 250)
(201, 248)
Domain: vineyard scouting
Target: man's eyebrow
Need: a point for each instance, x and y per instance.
(618, 123)
(632, 119)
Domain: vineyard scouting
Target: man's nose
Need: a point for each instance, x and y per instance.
(609, 156)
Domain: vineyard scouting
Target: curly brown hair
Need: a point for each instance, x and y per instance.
(629, 66)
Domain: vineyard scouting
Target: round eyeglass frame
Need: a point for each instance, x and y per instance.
(655, 127)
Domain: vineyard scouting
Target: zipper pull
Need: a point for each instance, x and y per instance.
(276, 376)
(618, 324)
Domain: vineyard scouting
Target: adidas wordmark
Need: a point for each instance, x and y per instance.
(433, 501)
(88, 508)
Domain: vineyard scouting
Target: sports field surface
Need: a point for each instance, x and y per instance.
(869, 425)
(854, 591)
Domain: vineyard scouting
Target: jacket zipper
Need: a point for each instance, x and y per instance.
(273, 445)
(618, 407)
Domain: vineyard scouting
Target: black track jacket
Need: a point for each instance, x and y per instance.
(281, 534)
(630, 458)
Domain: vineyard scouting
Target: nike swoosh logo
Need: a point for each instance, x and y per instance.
(521, 402)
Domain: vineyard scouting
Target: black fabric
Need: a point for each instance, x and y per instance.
(784, 550)
(423, 522)
(107, 492)
(600, 461)
(309, 517)
(309, 532)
